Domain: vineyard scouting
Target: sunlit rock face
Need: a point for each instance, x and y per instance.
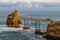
(53, 30)
(13, 19)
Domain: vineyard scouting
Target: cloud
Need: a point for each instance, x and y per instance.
(9, 4)
(4, 1)
(20, 5)
(14, 1)
(29, 5)
(26, 6)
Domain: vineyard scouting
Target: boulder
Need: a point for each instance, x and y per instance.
(13, 19)
(37, 31)
(53, 30)
(26, 27)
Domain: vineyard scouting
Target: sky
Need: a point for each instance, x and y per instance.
(13, 1)
(30, 5)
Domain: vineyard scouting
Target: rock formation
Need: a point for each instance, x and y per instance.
(13, 19)
(53, 30)
(26, 27)
(37, 31)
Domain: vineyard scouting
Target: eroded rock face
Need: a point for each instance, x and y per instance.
(53, 30)
(13, 19)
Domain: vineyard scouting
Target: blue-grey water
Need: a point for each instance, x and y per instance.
(24, 34)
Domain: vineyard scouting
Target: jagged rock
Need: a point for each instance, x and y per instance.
(13, 19)
(53, 30)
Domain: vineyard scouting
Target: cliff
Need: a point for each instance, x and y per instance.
(13, 19)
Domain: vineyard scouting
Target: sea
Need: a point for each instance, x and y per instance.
(17, 34)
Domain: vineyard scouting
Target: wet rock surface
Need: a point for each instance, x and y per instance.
(13, 19)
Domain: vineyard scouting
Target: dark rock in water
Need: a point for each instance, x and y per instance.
(13, 19)
(53, 30)
(26, 27)
(38, 31)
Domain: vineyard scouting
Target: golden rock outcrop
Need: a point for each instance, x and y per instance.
(13, 19)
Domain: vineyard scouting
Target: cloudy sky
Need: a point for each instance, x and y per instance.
(53, 5)
(13, 1)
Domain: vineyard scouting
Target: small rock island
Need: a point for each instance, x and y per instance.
(13, 19)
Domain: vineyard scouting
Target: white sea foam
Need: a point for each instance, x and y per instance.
(28, 33)
(5, 28)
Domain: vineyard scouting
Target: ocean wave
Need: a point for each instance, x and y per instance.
(5, 28)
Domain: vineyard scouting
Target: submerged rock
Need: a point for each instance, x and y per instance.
(13, 19)
(53, 30)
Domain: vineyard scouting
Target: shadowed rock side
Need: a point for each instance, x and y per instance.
(53, 30)
(13, 19)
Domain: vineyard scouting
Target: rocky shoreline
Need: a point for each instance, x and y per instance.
(53, 29)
